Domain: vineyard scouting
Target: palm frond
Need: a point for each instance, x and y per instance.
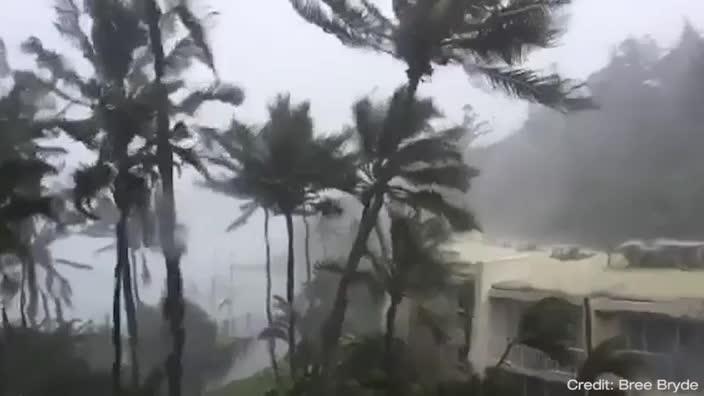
(433, 149)
(67, 23)
(107, 248)
(73, 264)
(84, 131)
(20, 208)
(550, 90)
(225, 93)
(247, 212)
(434, 202)
(51, 61)
(456, 176)
(88, 182)
(403, 121)
(117, 32)
(367, 121)
(182, 54)
(351, 25)
(511, 31)
(197, 33)
(190, 157)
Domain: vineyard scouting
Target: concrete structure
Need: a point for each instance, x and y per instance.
(659, 311)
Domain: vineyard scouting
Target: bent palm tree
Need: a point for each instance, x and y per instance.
(282, 168)
(489, 38)
(403, 161)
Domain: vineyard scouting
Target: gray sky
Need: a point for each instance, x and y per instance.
(265, 48)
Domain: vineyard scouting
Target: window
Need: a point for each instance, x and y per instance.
(660, 335)
(670, 347)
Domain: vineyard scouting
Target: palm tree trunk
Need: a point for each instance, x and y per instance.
(269, 315)
(120, 234)
(174, 305)
(389, 342)
(23, 297)
(413, 82)
(135, 279)
(290, 289)
(307, 248)
(382, 240)
(130, 309)
(33, 292)
(332, 328)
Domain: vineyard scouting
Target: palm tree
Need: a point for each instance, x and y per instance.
(174, 305)
(25, 238)
(490, 38)
(417, 268)
(282, 168)
(403, 161)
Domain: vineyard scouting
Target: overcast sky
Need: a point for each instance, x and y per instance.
(263, 46)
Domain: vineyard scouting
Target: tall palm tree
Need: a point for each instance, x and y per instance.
(490, 38)
(403, 161)
(284, 168)
(174, 305)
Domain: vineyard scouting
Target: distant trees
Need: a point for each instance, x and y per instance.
(630, 170)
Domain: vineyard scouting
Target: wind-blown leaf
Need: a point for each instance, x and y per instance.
(68, 24)
(190, 157)
(242, 219)
(180, 57)
(225, 93)
(354, 26)
(73, 264)
(451, 176)
(197, 33)
(52, 61)
(549, 90)
(106, 248)
(511, 30)
(434, 202)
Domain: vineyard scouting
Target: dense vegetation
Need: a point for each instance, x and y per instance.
(600, 178)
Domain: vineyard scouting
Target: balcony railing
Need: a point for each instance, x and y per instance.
(527, 358)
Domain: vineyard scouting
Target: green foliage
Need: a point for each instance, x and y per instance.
(281, 166)
(403, 156)
(489, 38)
